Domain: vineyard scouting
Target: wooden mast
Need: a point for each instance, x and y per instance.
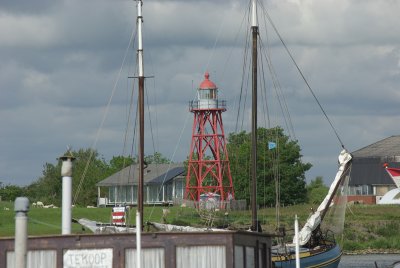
(254, 29)
(141, 113)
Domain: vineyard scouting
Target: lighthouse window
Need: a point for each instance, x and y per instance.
(208, 94)
(205, 94)
(213, 94)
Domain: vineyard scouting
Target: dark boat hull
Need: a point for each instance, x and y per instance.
(329, 259)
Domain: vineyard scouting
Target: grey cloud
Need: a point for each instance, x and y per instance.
(56, 80)
(28, 7)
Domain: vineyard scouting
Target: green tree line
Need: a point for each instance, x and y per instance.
(280, 173)
(48, 187)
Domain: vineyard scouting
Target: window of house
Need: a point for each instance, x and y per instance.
(154, 194)
(179, 188)
(361, 190)
(367, 190)
(111, 194)
(168, 194)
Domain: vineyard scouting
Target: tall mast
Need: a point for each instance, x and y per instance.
(254, 29)
(141, 112)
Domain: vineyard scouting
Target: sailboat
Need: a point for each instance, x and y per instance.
(316, 249)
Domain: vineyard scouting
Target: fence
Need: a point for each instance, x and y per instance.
(212, 204)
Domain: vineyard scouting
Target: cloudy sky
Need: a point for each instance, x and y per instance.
(60, 61)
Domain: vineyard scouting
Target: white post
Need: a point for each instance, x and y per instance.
(254, 13)
(140, 42)
(296, 231)
(173, 189)
(138, 241)
(66, 173)
(98, 196)
(21, 208)
(66, 205)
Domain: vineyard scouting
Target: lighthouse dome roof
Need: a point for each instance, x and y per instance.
(207, 83)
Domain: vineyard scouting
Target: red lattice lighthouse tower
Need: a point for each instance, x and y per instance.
(209, 172)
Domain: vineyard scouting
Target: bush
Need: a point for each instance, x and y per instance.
(10, 192)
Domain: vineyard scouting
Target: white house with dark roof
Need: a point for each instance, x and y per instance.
(369, 181)
(162, 184)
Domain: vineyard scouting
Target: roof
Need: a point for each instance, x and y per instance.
(207, 84)
(389, 147)
(370, 171)
(153, 174)
(167, 176)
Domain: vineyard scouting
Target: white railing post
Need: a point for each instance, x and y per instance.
(21, 208)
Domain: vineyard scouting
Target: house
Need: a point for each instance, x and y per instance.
(369, 181)
(162, 184)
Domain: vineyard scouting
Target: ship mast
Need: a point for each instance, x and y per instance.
(254, 29)
(141, 113)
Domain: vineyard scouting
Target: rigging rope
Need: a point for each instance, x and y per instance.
(247, 45)
(154, 138)
(215, 43)
(279, 93)
(133, 145)
(126, 135)
(303, 77)
(45, 223)
(133, 36)
(157, 146)
(172, 159)
(275, 152)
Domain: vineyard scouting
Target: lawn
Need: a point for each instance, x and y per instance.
(47, 221)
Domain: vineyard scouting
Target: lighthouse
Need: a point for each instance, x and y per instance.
(208, 174)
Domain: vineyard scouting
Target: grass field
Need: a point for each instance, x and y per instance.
(367, 227)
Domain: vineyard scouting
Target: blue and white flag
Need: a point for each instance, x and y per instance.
(271, 145)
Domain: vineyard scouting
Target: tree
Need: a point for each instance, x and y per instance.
(118, 163)
(281, 164)
(156, 158)
(89, 168)
(316, 191)
(10, 192)
(48, 188)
